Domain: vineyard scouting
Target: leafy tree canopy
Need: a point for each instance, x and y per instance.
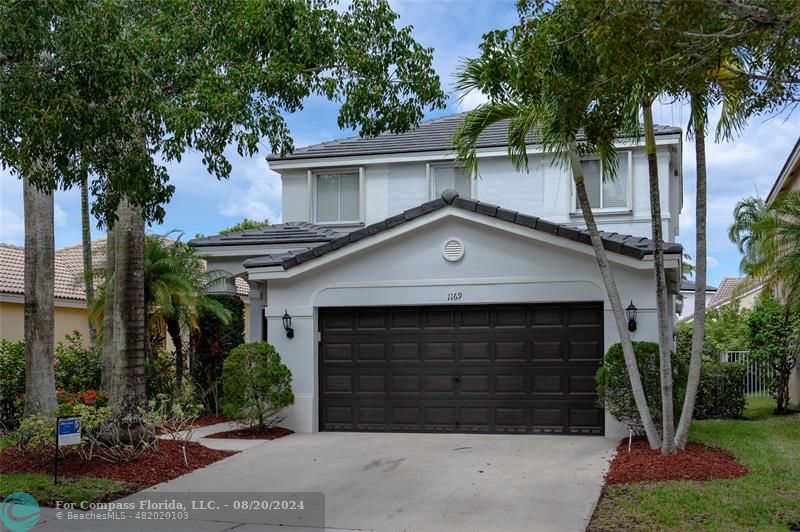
(247, 223)
(116, 89)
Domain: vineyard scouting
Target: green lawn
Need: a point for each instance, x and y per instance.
(766, 499)
(74, 490)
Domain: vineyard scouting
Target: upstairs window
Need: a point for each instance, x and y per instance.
(338, 197)
(455, 177)
(607, 194)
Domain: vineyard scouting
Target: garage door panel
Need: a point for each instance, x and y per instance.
(503, 369)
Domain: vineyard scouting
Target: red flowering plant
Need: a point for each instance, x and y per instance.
(87, 397)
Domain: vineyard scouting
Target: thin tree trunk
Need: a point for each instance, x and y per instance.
(88, 273)
(667, 416)
(127, 392)
(174, 330)
(699, 321)
(109, 355)
(616, 304)
(40, 382)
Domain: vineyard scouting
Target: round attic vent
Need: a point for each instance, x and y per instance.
(453, 250)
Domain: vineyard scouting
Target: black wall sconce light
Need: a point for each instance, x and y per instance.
(631, 313)
(287, 324)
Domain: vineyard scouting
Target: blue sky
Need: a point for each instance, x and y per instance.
(202, 204)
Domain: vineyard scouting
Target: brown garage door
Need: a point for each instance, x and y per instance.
(503, 368)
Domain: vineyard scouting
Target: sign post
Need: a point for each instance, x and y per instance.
(68, 432)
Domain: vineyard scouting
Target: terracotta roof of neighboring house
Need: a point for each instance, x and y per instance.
(430, 135)
(632, 246)
(726, 290)
(68, 270)
(691, 286)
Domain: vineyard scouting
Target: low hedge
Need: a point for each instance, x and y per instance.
(721, 390)
(614, 386)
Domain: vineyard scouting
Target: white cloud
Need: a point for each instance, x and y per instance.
(471, 100)
(711, 261)
(59, 216)
(12, 226)
(257, 193)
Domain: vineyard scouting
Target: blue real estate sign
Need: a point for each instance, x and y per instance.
(69, 431)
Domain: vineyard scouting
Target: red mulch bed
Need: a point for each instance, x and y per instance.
(152, 467)
(205, 421)
(696, 462)
(253, 433)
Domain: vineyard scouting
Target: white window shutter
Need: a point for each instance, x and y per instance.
(349, 197)
(327, 198)
(615, 192)
(591, 179)
(450, 177)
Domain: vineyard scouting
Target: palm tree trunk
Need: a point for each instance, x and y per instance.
(109, 356)
(174, 330)
(127, 392)
(40, 382)
(616, 304)
(88, 274)
(667, 417)
(698, 336)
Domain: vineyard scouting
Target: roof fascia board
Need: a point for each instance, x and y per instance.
(792, 162)
(57, 302)
(429, 156)
(277, 272)
(248, 250)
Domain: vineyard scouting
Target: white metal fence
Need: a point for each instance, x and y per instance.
(759, 374)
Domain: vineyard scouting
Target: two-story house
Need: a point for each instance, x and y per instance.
(407, 295)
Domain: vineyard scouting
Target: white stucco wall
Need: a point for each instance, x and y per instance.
(498, 267)
(545, 190)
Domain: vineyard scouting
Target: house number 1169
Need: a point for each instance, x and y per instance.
(454, 296)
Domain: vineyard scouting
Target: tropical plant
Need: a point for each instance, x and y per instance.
(769, 238)
(77, 367)
(258, 387)
(775, 339)
(175, 283)
(116, 89)
(546, 91)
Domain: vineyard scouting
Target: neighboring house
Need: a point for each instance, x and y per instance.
(736, 289)
(416, 304)
(789, 180)
(70, 296)
(686, 307)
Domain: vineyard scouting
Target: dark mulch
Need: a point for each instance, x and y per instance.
(205, 421)
(696, 462)
(253, 433)
(152, 467)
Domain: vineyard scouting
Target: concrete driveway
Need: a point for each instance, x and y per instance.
(414, 482)
(430, 482)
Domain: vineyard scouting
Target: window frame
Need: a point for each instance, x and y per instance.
(575, 208)
(313, 196)
(430, 170)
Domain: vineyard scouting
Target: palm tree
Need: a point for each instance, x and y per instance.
(769, 238)
(716, 85)
(86, 241)
(552, 100)
(175, 283)
(175, 280)
(40, 383)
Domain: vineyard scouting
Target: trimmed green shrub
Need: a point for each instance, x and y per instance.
(77, 369)
(721, 390)
(12, 383)
(614, 386)
(258, 387)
